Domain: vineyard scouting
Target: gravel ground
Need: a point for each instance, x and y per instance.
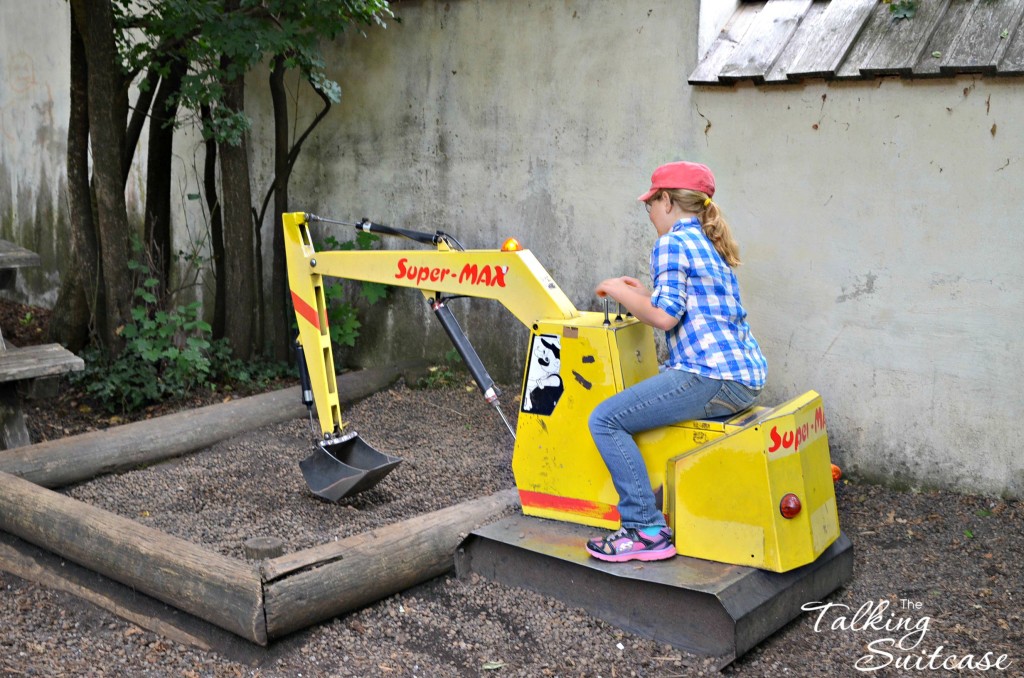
(936, 581)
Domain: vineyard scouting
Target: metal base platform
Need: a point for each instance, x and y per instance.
(699, 606)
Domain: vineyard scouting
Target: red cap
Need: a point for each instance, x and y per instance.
(691, 176)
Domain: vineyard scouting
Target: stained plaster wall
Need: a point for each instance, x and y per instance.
(498, 118)
(33, 139)
(877, 220)
(34, 109)
(881, 224)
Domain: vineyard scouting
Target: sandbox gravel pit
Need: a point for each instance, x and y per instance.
(944, 563)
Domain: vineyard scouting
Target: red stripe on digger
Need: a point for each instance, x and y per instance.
(579, 507)
(305, 310)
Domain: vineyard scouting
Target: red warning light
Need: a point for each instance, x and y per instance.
(790, 506)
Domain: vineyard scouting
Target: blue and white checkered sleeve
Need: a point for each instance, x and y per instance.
(669, 266)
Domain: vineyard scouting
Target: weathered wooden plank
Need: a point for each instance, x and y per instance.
(31, 563)
(24, 565)
(929, 62)
(1012, 62)
(41, 566)
(871, 37)
(901, 41)
(764, 42)
(316, 584)
(224, 591)
(827, 47)
(37, 361)
(15, 256)
(55, 463)
(779, 72)
(983, 39)
(728, 38)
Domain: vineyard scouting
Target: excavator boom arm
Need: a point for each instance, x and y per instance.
(514, 278)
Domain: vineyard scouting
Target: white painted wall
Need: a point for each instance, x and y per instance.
(878, 220)
(34, 109)
(881, 224)
(33, 135)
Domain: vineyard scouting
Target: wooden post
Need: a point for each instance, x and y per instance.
(60, 462)
(224, 591)
(310, 586)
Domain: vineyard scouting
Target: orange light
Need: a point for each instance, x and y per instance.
(789, 506)
(837, 473)
(511, 245)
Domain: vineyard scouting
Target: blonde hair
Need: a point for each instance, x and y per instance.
(716, 228)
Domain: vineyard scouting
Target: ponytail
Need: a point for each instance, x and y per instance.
(715, 227)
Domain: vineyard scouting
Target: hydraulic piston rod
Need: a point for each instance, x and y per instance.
(469, 357)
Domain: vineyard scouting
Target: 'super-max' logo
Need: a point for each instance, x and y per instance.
(473, 274)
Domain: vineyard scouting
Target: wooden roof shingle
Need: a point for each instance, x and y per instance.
(776, 41)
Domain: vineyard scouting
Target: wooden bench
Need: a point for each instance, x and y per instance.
(19, 367)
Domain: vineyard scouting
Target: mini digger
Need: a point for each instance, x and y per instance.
(754, 489)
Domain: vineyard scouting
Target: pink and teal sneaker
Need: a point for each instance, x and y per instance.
(632, 544)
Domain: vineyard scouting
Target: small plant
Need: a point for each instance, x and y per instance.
(166, 352)
(902, 9)
(166, 355)
(443, 375)
(27, 319)
(228, 372)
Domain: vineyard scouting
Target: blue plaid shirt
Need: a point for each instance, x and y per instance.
(692, 282)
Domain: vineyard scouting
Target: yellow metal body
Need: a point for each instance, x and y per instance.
(724, 495)
(720, 482)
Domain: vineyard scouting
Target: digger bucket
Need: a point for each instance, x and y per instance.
(345, 466)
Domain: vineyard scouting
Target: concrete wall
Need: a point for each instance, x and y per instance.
(33, 138)
(881, 224)
(34, 109)
(497, 118)
(878, 220)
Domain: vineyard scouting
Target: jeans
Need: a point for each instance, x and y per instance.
(668, 397)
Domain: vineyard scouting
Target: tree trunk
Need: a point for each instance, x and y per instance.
(140, 113)
(216, 226)
(70, 320)
(239, 253)
(108, 114)
(278, 317)
(285, 155)
(158, 173)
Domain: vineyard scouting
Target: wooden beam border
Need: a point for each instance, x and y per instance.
(254, 602)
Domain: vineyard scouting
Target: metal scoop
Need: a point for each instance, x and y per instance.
(340, 464)
(343, 466)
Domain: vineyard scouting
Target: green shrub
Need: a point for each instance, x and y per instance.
(166, 355)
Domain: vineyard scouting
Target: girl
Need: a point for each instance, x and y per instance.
(714, 366)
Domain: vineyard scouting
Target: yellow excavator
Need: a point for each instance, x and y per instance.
(753, 489)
